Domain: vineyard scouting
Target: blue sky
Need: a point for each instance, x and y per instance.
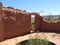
(41, 6)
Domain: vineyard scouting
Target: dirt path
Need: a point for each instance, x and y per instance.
(53, 37)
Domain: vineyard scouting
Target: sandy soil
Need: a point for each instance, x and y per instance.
(53, 37)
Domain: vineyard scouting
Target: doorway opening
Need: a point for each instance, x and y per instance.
(33, 22)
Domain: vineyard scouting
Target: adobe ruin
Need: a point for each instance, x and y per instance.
(15, 22)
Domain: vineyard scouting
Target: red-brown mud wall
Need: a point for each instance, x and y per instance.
(1, 25)
(44, 26)
(16, 24)
(38, 21)
(51, 27)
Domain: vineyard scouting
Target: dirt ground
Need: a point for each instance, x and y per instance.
(52, 37)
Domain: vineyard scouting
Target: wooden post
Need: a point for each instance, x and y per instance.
(1, 24)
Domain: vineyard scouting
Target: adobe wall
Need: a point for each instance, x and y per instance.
(45, 26)
(1, 24)
(16, 23)
(51, 27)
(38, 21)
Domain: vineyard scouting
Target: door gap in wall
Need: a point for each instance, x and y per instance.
(32, 22)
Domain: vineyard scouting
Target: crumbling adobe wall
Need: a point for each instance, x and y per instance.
(51, 27)
(1, 25)
(45, 26)
(16, 23)
(38, 20)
